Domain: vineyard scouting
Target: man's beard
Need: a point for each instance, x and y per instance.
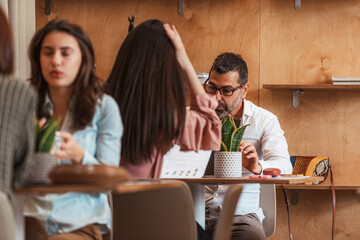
(224, 109)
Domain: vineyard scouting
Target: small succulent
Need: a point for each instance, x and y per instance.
(231, 135)
(45, 135)
(131, 23)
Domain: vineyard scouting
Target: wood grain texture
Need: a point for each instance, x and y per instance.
(281, 46)
(241, 180)
(311, 218)
(307, 47)
(312, 86)
(134, 185)
(208, 28)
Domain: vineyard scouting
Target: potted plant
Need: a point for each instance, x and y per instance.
(228, 161)
(44, 160)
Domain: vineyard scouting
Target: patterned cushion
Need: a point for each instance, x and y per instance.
(310, 166)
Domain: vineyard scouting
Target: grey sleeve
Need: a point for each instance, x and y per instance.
(23, 158)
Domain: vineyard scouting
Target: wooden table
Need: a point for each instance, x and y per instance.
(119, 187)
(197, 187)
(242, 180)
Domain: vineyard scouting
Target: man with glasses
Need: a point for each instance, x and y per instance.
(264, 145)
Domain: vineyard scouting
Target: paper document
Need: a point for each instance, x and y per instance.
(178, 164)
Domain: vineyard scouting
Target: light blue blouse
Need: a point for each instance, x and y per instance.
(101, 141)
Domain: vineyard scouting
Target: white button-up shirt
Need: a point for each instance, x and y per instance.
(265, 134)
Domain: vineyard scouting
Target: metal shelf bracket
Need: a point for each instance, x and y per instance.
(297, 4)
(296, 94)
(181, 7)
(48, 7)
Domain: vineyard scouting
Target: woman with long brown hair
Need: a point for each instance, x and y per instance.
(148, 82)
(63, 72)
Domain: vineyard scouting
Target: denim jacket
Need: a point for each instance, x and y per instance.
(101, 141)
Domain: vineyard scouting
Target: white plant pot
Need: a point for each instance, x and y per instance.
(228, 164)
(43, 164)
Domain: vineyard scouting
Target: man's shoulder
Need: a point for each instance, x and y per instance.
(255, 111)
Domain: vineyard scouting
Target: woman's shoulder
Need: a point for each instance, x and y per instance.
(106, 100)
(107, 104)
(16, 86)
(13, 82)
(107, 112)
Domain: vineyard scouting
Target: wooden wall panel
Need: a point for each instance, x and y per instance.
(280, 45)
(305, 47)
(311, 218)
(208, 28)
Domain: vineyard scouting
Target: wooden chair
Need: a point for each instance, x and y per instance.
(7, 219)
(153, 209)
(268, 205)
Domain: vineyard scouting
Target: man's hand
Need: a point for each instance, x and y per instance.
(250, 158)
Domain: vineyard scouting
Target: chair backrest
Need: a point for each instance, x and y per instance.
(7, 218)
(158, 213)
(268, 205)
(223, 228)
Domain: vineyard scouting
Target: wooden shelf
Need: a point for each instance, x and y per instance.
(311, 86)
(300, 88)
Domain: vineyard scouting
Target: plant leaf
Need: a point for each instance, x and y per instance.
(233, 122)
(47, 136)
(236, 138)
(227, 130)
(223, 147)
(39, 136)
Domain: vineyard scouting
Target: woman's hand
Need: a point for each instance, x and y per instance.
(69, 149)
(42, 122)
(193, 82)
(176, 41)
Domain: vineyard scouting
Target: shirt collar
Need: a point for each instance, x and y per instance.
(67, 124)
(48, 105)
(248, 111)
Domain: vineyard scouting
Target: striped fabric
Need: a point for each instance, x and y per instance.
(17, 108)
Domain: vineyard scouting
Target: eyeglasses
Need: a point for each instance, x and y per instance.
(223, 91)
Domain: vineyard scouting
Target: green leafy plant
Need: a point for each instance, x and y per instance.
(231, 135)
(45, 135)
(131, 23)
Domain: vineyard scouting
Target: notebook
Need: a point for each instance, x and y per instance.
(189, 164)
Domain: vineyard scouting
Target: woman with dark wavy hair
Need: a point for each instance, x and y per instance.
(63, 72)
(148, 82)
